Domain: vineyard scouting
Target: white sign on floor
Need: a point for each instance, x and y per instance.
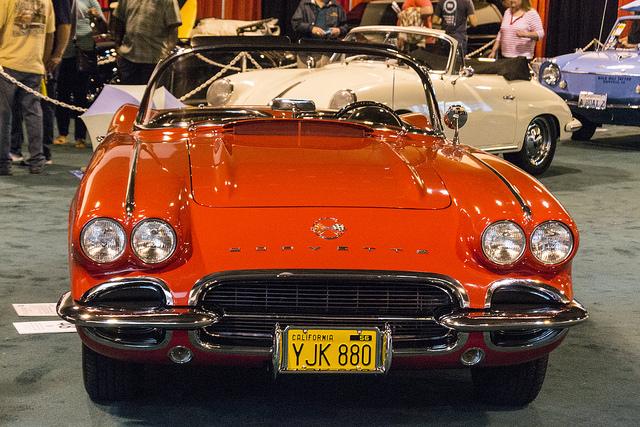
(44, 327)
(40, 309)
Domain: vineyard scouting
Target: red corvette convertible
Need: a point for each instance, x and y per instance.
(353, 240)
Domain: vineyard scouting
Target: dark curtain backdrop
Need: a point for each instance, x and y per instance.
(573, 24)
(283, 10)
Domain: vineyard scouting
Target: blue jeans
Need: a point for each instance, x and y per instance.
(31, 113)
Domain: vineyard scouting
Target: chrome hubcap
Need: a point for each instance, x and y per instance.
(537, 141)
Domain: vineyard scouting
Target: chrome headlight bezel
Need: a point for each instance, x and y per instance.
(535, 243)
(120, 240)
(342, 98)
(140, 228)
(219, 92)
(521, 241)
(551, 74)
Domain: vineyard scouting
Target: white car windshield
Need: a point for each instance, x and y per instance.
(220, 84)
(430, 51)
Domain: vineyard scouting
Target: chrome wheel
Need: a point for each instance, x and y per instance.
(538, 147)
(538, 141)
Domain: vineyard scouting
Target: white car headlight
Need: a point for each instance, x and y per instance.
(503, 242)
(219, 92)
(103, 240)
(551, 74)
(342, 98)
(551, 242)
(153, 241)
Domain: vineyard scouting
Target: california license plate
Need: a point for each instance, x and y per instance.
(331, 350)
(595, 101)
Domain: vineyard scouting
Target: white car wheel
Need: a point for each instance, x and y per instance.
(538, 148)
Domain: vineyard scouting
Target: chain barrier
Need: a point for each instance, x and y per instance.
(37, 94)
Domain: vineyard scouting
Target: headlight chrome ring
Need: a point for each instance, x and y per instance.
(551, 242)
(153, 241)
(103, 240)
(503, 242)
(551, 74)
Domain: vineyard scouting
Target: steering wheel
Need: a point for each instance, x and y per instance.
(370, 111)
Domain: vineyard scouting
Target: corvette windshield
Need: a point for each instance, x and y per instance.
(432, 52)
(214, 85)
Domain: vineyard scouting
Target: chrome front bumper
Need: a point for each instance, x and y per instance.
(493, 320)
(167, 318)
(466, 320)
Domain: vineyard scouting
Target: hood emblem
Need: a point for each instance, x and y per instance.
(328, 228)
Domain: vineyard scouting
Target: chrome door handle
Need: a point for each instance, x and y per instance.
(508, 97)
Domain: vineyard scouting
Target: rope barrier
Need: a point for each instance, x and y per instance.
(11, 79)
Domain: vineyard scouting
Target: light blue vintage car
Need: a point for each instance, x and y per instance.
(600, 87)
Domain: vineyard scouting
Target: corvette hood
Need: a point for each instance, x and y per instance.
(288, 163)
(604, 62)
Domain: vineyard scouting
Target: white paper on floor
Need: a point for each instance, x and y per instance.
(39, 309)
(44, 327)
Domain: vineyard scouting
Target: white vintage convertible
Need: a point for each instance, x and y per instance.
(519, 118)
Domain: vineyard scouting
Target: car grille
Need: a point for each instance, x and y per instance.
(252, 305)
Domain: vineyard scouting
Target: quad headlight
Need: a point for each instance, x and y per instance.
(342, 98)
(153, 241)
(103, 240)
(503, 242)
(219, 92)
(551, 74)
(551, 242)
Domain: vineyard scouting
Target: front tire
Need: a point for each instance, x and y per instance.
(515, 385)
(538, 148)
(107, 379)
(585, 132)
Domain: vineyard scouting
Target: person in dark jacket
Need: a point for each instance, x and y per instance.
(320, 19)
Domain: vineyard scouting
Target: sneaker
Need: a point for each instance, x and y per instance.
(16, 157)
(60, 140)
(81, 143)
(48, 162)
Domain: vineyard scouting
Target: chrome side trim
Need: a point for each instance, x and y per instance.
(526, 284)
(130, 202)
(547, 318)
(120, 281)
(169, 318)
(212, 280)
(525, 208)
(541, 342)
(89, 333)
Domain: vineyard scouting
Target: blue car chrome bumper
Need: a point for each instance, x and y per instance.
(616, 114)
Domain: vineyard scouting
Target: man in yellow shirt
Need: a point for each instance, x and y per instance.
(26, 38)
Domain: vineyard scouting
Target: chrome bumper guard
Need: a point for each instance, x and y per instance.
(168, 318)
(573, 126)
(486, 321)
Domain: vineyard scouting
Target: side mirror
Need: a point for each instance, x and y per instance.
(467, 72)
(455, 117)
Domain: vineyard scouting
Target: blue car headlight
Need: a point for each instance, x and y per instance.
(551, 74)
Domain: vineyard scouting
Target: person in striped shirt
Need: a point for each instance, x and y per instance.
(520, 30)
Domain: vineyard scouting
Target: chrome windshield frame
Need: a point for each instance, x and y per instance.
(239, 44)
